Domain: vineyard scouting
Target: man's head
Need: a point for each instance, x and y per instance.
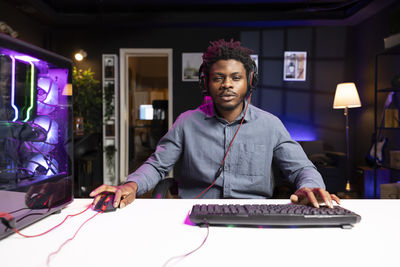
(227, 74)
(222, 50)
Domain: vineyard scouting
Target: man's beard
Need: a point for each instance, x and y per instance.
(230, 107)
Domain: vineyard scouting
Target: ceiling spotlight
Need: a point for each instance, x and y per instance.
(80, 55)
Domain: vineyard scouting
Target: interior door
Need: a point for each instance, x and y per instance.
(146, 104)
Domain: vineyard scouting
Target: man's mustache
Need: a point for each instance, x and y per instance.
(227, 93)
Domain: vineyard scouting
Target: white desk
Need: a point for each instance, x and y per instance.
(149, 232)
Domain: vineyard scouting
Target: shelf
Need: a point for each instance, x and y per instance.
(110, 125)
(387, 128)
(388, 90)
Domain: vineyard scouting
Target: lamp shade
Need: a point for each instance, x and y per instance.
(346, 96)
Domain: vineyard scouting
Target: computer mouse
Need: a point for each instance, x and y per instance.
(105, 203)
(38, 201)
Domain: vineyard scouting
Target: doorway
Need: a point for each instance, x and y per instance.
(145, 104)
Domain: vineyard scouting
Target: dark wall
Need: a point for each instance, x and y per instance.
(186, 95)
(28, 29)
(305, 107)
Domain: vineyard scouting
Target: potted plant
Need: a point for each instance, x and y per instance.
(87, 100)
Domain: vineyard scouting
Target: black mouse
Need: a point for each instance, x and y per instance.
(105, 203)
(39, 201)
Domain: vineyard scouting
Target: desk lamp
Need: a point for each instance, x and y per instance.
(346, 96)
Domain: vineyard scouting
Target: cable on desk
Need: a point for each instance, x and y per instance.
(51, 229)
(70, 239)
(8, 220)
(11, 212)
(181, 257)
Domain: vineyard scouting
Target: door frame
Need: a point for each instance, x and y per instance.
(124, 54)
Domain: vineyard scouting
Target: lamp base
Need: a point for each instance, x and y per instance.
(348, 193)
(348, 187)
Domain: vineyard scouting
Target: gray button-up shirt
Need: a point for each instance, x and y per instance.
(201, 138)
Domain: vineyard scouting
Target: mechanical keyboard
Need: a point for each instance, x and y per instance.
(272, 215)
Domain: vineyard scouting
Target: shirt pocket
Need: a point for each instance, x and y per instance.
(252, 159)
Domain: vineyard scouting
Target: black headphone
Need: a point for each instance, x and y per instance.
(252, 78)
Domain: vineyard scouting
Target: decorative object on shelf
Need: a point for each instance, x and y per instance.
(4, 28)
(391, 112)
(109, 68)
(110, 152)
(395, 159)
(394, 29)
(394, 20)
(87, 101)
(79, 129)
(109, 100)
(110, 130)
(346, 96)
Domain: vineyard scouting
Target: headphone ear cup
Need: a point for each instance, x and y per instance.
(253, 77)
(203, 80)
(254, 81)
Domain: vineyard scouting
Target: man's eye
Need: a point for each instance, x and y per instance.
(237, 78)
(217, 79)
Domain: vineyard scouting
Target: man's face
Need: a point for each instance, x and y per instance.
(228, 84)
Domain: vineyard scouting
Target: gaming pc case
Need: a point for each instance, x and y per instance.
(36, 141)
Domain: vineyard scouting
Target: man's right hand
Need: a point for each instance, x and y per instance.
(124, 194)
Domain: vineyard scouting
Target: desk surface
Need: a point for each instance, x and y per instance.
(150, 231)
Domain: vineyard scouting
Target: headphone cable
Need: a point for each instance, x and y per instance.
(219, 171)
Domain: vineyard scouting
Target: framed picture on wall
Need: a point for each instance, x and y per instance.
(294, 66)
(190, 66)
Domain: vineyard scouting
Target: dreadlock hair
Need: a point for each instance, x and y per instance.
(222, 50)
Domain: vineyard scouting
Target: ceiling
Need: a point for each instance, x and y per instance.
(116, 13)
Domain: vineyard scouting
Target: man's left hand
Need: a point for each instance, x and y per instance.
(314, 196)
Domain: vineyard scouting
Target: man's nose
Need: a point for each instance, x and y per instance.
(227, 83)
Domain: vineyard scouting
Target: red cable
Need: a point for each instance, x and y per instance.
(229, 147)
(51, 229)
(191, 252)
(70, 239)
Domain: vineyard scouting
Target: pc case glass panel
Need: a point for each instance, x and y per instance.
(35, 136)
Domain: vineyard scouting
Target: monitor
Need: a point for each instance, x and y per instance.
(146, 112)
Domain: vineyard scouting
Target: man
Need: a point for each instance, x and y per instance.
(227, 147)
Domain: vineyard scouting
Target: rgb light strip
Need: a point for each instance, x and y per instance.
(13, 88)
(32, 92)
(29, 60)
